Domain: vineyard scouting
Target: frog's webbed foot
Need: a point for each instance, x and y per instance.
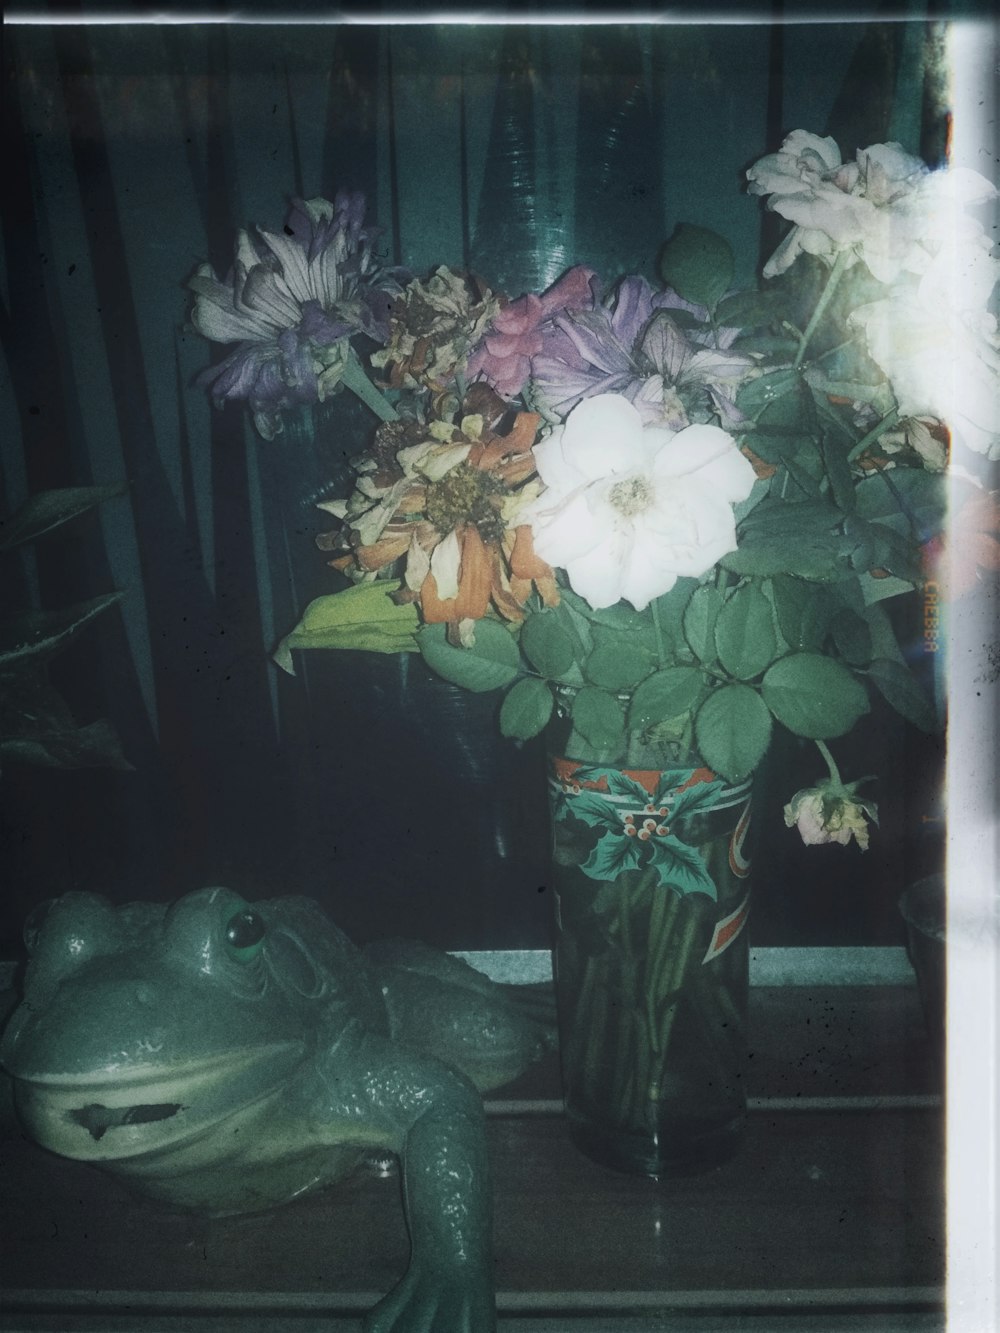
(432, 1117)
(434, 1302)
(441, 1005)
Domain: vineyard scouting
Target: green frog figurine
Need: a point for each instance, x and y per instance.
(227, 1056)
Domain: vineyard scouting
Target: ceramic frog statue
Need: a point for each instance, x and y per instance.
(226, 1057)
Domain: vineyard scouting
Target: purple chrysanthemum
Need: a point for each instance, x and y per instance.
(292, 302)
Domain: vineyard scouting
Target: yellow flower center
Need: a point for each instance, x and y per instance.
(631, 496)
(466, 495)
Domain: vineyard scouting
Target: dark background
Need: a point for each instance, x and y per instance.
(134, 153)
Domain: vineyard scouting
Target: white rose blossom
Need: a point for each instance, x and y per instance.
(886, 207)
(939, 347)
(626, 509)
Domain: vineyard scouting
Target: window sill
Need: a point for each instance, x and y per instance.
(831, 1217)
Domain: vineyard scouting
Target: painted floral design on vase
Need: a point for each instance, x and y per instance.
(651, 880)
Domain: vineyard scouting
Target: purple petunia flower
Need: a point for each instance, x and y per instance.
(292, 302)
(631, 344)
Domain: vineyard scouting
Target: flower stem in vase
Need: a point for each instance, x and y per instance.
(674, 963)
(651, 964)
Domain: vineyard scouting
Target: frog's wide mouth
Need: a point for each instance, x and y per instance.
(111, 1116)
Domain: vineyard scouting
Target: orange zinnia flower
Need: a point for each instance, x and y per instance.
(447, 505)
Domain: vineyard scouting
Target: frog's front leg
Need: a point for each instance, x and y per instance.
(432, 1116)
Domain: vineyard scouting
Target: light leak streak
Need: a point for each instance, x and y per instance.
(972, 1173)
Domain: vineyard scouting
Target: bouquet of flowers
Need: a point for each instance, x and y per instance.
(697, 497)
(673, 516)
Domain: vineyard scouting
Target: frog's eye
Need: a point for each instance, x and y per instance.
(245, 932)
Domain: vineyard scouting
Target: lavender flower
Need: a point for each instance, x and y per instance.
(631, 344)
(293, 302)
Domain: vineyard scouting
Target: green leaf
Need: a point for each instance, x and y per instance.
(839, 472)
(749, 309)
(853, 637)
(744, 632)
(879, 590)
(758, 394)
(620, 784)
(613, 853)
(910, 500)
(363, 617)
(594, 810)
(665, 694)
(818, 555)
(884, 641)
(858, 391)
(899, 687)
(847, 594)
(792, 537)
(884, 547)
(777, 445)
(777, 346)
(694, 800)
(792, 409)
(805, 471)
(669, 613)
(491, 663)
(38, 728)
(698, 264)
(758, 492)
(618, 661)
(95, 745)
(732, 731)
(792, 518)
(803, 611)
(526, 708)
(599, 718)
(686, 320)
(849, 371)
(43, 513)
(547, 646)
(37, 635)
(813, 695)
(680, 867)
(700, 616)
(619, 616)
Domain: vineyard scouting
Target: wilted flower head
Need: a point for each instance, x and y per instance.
(446, 501)
(628, 508)
(886, 207)
(829, 812)
(433, 325)
(292, 301)
(630, 344)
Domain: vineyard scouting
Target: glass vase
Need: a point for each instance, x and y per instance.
(651, 890)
